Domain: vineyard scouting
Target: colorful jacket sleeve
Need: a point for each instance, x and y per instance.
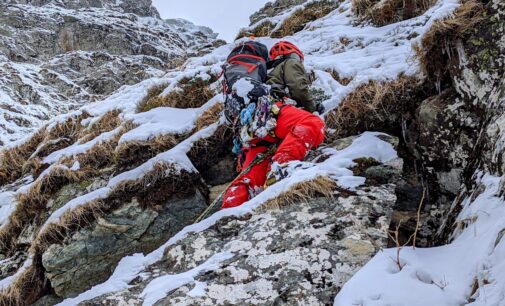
(296, 81)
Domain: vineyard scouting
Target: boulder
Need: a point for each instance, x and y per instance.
(298, 255)
(90, 256)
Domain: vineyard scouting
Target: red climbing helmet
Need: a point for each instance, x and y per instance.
(284, 48)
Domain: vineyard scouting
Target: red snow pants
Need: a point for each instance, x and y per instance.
(298, 132)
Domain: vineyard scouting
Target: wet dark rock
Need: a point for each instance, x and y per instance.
(90, 255)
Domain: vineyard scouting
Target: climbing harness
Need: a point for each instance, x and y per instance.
(257, 160)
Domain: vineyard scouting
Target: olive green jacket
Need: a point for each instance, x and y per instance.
(289, 79)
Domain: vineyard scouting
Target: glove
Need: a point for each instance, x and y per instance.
(320, 108)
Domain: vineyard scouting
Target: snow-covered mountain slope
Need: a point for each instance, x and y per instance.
(56, 56)
(119, 182)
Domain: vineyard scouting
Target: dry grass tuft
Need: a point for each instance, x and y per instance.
(159, 171)
(384, 12)
(156, 187)
(16, 161)
(32, 203)
(432, 55)
(27, 288)
(132, 153)
(297, 21)
(153, 99)
(303, 191)
(67, 129)
(189, 94)
(106, 123)
(210, 116)
(102, 154)
(13, 159)
(262, 30)
(205, 152)
(69, 222)
(336, 76)
(373, 106)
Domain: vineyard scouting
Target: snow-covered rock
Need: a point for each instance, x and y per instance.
(56, 56)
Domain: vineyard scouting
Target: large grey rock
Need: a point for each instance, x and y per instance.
(90, 256)
(299, 255)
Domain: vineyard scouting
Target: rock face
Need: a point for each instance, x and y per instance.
(299, 255)
(272, 9)
(457, 132)
(89, 256)
(58, 55)
(142, 8)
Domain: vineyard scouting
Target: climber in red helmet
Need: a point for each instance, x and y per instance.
(288, 77)
(296, 131)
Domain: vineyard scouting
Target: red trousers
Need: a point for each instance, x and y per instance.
(298, 131)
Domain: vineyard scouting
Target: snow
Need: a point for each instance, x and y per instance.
(165, 121)
(6, 282)
(77, 148)
(175, 157)
(161, 286)
(158, 121)
(442, 275)
(22, 111)
(373, 53)
(98, 194)
(7, 206)
(243, 87)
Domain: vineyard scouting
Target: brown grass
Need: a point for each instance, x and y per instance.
(69, 128)
(189, 94)
(27, 288)
(262, 30)
(155, 188)
(373, 106)
(102, 154)
(336, 76)
(106, 123)
(297, 21)
(434, 61)
(158, 185)
(390, 11)
(210, 116)
(205, 152)
(303, 191)
(153, 99)
(33, 203)
(13, 159)
(131, 154)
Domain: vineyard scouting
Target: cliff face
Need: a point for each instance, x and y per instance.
(56, 56)
(98, 205)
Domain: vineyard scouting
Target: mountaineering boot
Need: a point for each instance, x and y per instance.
(277, 172)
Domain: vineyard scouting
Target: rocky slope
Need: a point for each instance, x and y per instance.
(98, 205)
(56, 56)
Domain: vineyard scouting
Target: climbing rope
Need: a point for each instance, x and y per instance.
(257, 160)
